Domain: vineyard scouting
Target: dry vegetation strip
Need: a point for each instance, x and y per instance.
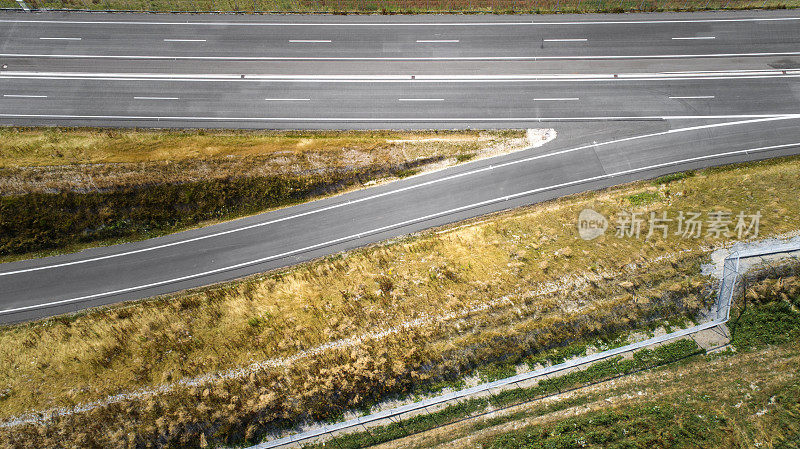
(410, 6)
(49, 160)
(405, 313)
(742, 388)
(302, 150)
(64, 189)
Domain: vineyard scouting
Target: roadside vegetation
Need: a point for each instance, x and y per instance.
(230, 364)
(66, 189)
(746, 396)
(407, 6)
(598, 372)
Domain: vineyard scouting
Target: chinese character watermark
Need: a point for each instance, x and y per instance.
(716, 224)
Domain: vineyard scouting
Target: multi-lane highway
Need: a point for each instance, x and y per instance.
(395, 71)
(631, 97)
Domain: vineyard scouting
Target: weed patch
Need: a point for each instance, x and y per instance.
(672, 177)
(769, 315)
(643, 198)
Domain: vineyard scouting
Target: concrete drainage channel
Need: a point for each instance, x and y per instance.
(737, 262)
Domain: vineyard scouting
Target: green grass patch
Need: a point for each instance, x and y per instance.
(672, 177)
(643, 198)
(606, 369)
(496, 371)
(465, 157)
(760, 325)
(646, 426)
(406, 173)
(556, 355)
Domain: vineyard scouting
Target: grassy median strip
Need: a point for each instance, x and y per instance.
(66, 189)
(232, 363)
(409, 6)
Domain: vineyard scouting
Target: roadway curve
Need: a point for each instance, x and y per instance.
(640, 124)
(291, 235)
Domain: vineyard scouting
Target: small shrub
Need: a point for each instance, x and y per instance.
(385, 284)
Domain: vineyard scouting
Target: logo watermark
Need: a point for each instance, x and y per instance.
(591, 224)
(686, 224)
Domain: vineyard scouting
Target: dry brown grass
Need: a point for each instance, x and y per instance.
(25, 147)
(501, 286)
(58, 159)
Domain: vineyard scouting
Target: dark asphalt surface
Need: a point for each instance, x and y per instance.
(69, 69)
(370, 215)
(404, 37)
(596, 109)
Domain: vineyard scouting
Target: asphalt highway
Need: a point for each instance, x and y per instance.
(288, 236)
(375, 71)
(397, 37)
(649, 94)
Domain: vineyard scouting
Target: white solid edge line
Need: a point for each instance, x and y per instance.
(287, 99)
(434, 41)
(59, 38)
(146, 75)
(565, 40)
(24, 96)
(405, 79)
(397, 119)
(420, 79)
(401, 224)
(687, 75)
(185, 40)
(399, 58)
(389, 24)
(420, 99)
(403, 189)
(557, 99)
(156, 98)
(309, 41)
(693, 38)
(693, 97)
